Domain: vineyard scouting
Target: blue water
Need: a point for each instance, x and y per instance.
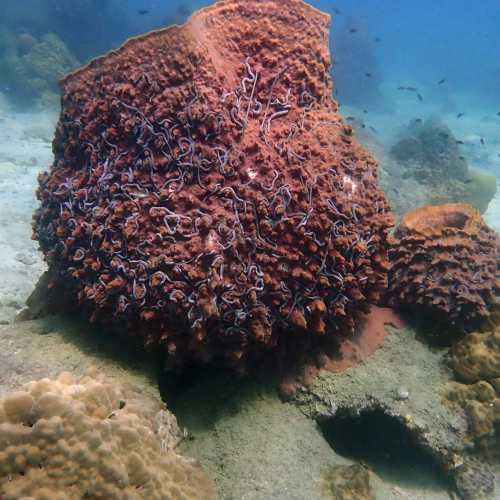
(420, 42)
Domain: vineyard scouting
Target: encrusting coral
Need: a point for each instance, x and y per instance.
(445, 259)
(84, 438)
(475, 361)
(477, 356)
(207, 195)
(347, 482)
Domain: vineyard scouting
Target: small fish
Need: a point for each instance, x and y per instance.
(369, 75)
(461, 158)
(411, 89)
(418, 120)
(459, 142)
(365, 112)
(183, 10)
(378, 40)
(498, 114)
(420, 98)
(351, 118)
(444, 135)
(468, 181)
(482, 141)
(460, 115)
(373, 129)
(363, 125)
(142, 12)
(441, 81)
(337, 11)
(353, 30)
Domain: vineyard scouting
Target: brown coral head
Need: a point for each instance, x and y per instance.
(207, 196)
(445, 258)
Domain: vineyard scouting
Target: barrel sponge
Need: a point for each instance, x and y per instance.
(88, 438)
(206, 194)
(445, 259)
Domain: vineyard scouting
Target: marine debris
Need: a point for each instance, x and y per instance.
(445, 261)
(207, 196)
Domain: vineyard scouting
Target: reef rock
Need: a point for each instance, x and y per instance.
(430, 151)
(34, 70)
(84, 438)
(426, 166)
(370, 393)
(445, 259)
(207, 196)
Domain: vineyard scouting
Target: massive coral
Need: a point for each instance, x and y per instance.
(475, 361)
(207, 195)
(85, 438)
(444, 259)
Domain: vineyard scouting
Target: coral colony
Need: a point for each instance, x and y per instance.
(207, 195)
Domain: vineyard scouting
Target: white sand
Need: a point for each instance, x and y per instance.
(25, 150)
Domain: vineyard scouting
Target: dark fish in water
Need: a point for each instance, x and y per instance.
(365, 112)
(411, 89)
(461, 158)
(353, 30)
(142, 12)
(468, 181)
(378, 39)
(441, 81)
(363, 125)
(459, 142)
(460, 115)
(418, 120)
(183, 10)
(337, 11)
(482, 141)
(373, 129)
(420, 98)
(351, 118)
(369, 75)
(444, 135)
(498, 114)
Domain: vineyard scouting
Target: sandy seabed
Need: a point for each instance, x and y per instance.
(25, 150)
